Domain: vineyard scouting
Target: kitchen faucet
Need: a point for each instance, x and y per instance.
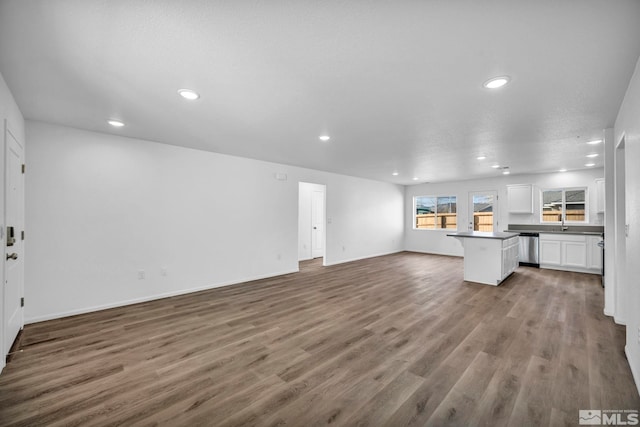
(562, 226)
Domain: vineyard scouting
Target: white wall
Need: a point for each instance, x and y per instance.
(436, 241)
(10, 112)
(628, 125)
(101, 207)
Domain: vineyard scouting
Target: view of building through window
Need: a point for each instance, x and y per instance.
(570, 203)
(434, 212)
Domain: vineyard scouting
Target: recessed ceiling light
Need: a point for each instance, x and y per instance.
(496, 82)
(505, 172)
(495, 166)
(481, 157)
(562, 170)
(395, 174)
(592, 155)
(415, 178)
(325, 138)
(589, 164)
(595, 141)
(188, 94)
(115, 123)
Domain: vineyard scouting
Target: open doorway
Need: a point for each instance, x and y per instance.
(311, 221)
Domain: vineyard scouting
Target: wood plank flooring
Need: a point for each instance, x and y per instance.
(394, 340)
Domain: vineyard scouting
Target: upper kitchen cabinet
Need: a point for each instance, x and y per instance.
(520, 198)
(600, 195)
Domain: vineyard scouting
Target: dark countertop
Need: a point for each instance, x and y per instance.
(586, 230)
(583, 233)
(484, 234)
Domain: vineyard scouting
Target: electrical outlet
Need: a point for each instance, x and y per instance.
(141, 275)
(163, 271)
(638, 334)
(279, 256)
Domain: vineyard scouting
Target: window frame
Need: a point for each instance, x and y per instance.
(436, 197)
(564, 205)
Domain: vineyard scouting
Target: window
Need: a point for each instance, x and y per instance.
(567, 203)
(435, 212)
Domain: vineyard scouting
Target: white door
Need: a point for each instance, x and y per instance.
(483, 211)
(14, 259)
(317, 223)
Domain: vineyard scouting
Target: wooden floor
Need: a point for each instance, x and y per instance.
(395, 340)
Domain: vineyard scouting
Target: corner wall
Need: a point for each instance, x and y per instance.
(100, 208)
(628, 125)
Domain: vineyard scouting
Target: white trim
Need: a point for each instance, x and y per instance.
(608, 313)
(363, 257)
(634, 373)
(573, 269)
(152, 297)
(619, 321)
(434, 253)
(621, 142)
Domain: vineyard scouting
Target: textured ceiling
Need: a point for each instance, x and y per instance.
(396, 84)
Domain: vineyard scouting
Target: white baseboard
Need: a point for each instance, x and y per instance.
(59, 315)
(573, 269)
(608, 313)
(619, 321)
(634, 373)
(435, 253)
(361, 258)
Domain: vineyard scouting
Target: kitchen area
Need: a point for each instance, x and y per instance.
(555, 221)
(571, 248)
(563, 239)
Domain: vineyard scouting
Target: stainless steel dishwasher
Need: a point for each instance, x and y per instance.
(529, 250)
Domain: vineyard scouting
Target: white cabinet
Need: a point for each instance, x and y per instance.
(510, 256)
(550, 252)
(520, 198)
(600, 195)
(488, 260)
(574, 254)
(571, 252)
(594, 253)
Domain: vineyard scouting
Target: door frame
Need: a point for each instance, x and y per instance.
(300, 220)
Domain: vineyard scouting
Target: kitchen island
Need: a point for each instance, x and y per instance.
(489, 258)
